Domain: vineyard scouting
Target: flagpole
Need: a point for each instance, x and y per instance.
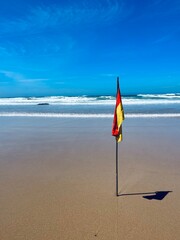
(117, 172)
(117, 129)
(117, 177)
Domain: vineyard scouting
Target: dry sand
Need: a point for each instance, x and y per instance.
(57, 179)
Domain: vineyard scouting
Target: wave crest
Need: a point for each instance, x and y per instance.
(140, 99)
(63, 115)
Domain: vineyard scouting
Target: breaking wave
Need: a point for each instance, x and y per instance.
(140, 99)
(64, 115)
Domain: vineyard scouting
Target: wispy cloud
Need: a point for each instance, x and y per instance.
(33, 80)
(12, 75)
(86, 12)
(162, 39)
(53, 30)
(164, 8)
(4, 52)
(19, 78)
(108, 75)
(156, 2)
(157, 9)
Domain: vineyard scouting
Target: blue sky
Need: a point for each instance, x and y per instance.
(76, 47)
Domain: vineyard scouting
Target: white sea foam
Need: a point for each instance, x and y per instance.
(58, 100)
(60, 115)
(141, 99)
(161, 96)
(154, 115)
(149, 101)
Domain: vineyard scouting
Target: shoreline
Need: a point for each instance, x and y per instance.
(81, 115)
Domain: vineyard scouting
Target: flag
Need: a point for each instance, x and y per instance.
(118, 116)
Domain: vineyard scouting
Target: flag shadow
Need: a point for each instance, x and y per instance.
(158, 195)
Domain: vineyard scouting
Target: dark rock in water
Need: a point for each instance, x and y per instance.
(43, 103)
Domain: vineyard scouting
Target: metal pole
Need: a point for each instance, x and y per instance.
(117, 168)
(117, 177)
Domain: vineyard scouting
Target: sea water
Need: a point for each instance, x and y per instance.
(141, 105)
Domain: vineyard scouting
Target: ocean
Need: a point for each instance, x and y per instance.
(135, 106)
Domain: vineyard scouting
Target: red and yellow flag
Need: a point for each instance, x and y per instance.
(118, 116)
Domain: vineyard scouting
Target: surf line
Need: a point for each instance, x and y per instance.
(82, 115)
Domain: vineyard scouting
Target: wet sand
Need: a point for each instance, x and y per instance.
(57, 179)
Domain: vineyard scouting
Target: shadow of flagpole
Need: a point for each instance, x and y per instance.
(158, 195)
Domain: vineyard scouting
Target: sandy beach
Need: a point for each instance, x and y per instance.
(57, 179)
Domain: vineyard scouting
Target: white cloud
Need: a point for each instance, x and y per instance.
(108, 75)
(43, 17)
(33, 80)
(4, 52)
(12, 75)
(17, 77)
(75, 14)
(163, 39)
